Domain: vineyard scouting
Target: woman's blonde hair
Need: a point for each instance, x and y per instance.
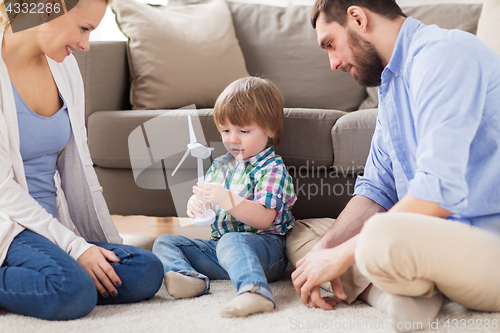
(5, 18)
(252, 100)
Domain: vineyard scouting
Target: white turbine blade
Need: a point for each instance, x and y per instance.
(182, 160)
(192, 137)
(201, 177)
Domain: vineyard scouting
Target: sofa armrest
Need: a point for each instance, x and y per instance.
(351, 137)
(105, 75)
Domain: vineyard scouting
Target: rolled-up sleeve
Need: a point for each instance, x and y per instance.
(377, 182)
(270, 188)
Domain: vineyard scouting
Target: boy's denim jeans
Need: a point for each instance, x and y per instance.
(39, 279)
(249, 260)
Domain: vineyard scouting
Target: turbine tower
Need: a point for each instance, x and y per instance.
(200, 152)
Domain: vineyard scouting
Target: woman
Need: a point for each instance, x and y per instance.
(51, 205)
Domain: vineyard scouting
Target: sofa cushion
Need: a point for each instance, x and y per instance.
(279, 43)
(179, 56)
(447, 16)
(306, 138)
(351, 137)
(105, 76)
(488, 29)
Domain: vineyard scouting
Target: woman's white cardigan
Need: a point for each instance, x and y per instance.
(83, 214)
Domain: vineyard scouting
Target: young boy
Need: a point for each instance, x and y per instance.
(252, 194)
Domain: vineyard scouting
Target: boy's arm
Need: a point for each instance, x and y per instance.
(250, 212)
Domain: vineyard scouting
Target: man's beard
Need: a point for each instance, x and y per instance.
(367, 61)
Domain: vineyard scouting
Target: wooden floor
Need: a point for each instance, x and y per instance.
(156, 226)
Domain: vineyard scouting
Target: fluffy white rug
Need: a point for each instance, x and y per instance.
(201, 315)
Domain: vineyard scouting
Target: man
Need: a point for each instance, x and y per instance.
(433, 165)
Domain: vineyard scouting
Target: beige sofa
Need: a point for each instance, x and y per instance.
(325, 141)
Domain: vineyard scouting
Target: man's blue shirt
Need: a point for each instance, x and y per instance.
(437, 135)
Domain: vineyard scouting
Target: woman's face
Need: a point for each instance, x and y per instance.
(70, 32)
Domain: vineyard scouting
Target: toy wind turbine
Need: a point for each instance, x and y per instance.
(200, 152)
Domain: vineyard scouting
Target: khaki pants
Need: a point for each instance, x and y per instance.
(416, 255)
(300, 240)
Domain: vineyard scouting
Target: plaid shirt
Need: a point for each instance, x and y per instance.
(261, 178)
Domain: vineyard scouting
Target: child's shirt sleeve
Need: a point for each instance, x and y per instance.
(274, 190)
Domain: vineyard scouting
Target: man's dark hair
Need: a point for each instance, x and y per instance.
(336, 10)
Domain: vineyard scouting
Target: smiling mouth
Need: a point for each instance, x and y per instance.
(69, 50)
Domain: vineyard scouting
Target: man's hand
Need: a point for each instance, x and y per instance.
(325, 303)
(322, 266)
(95, 262)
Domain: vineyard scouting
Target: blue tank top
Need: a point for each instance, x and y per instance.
(42, 138)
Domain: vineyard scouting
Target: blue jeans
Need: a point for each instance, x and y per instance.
(249, 260)
(39, 279)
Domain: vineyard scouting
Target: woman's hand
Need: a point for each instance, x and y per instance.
(95, 262)
(194, 207)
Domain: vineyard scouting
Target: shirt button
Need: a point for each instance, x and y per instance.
(279, 196)
(396, 75)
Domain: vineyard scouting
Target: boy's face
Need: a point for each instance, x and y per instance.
(243, 142)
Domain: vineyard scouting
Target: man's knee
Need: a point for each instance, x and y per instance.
(380, 243)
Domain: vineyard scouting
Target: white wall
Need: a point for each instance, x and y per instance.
(108, 30)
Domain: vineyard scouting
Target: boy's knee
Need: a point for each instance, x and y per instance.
(229, 239)
(226, 246)
(167, 240)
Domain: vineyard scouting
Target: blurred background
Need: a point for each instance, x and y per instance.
(108, 30)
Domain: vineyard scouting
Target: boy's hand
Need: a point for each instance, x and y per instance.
(194, 207)
(213, 193)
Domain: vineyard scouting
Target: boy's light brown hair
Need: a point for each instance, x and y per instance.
(252, 100)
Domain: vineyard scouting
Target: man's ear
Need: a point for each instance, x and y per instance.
(357, 18)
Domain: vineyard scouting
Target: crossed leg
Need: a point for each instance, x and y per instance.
(415, 258)
(411, 259)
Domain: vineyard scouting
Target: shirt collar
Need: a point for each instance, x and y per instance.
(256, 160)
(401, 47)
